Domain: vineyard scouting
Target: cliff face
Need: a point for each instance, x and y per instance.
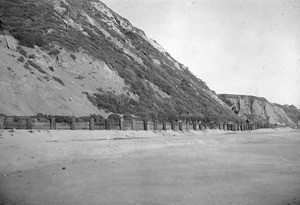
(257, 109)
(78, 57)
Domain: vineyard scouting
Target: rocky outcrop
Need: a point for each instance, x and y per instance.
(257, 109)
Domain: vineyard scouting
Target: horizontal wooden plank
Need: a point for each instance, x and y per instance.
(40, 125)
(63, 126)
(99, 127)
(14, 125)
(159, 126)
(127, 125)
(114, 127)
(99, 124)
(81, 125)
(150, 125)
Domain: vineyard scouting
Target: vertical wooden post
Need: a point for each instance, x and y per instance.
(73, 123)
(173, 125)
(121, 123)
(145, 124)
(180, 126)
(155, 125)
(91, 123)
(28, 124)
(133, 127)
(164, 125)
(201, 126)
(107, 127)
(194, 126)
(2, 122)
(52, 123)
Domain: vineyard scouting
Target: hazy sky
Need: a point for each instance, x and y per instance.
(249, 47)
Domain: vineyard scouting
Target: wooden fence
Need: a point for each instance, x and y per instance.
(21, 122)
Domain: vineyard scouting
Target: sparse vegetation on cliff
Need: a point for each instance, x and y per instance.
(37, 23)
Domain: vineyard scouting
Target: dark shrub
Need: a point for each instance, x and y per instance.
(21, 59)
(127, 116)
(98, 118)
(36, 66)
(22, 51)
(31, 56)
(54, 52)
(66, 119)
(58, 80)
(73, 56)
(114, 117)
(26, 65)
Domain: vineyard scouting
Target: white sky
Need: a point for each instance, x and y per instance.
(249, 47)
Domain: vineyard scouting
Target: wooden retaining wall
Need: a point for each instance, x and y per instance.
(22, 122)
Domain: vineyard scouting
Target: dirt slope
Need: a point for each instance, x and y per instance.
(81, 55)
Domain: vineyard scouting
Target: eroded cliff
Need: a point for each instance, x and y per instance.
(257, 109)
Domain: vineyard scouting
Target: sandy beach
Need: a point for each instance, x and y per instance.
(146, 167)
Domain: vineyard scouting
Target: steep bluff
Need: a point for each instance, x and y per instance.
(257, 109)
(78, 57)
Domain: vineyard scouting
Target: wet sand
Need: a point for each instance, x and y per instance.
(112, 167)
